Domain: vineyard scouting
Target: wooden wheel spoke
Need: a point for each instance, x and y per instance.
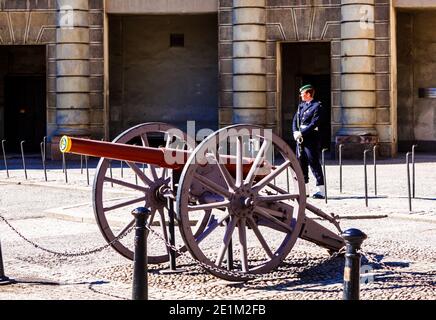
(150, 223)
(266, 213)
(139, 173)
(126, 184)
(163, 226)
(230, 181)
(260, 237)
(257, 161)
(239, 162)
(243, 243)
(278, 189)
(226, 240)
(212, 186)
(210, 228)
(153, 171)
(164, 173)
(207, 206)
(124, 204)
(127, 227)
(272, 175)
(145, 143)
(144, 140)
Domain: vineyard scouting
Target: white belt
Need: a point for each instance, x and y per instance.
(304, 127)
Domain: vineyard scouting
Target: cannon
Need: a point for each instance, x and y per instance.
(238, 197)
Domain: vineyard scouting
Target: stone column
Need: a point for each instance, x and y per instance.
(358, 98)
(249, 68)
(72, 70)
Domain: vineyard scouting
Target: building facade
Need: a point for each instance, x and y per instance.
(94, 68)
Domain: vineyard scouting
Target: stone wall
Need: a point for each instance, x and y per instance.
(416, 41)
(382, 57)
(152, 81)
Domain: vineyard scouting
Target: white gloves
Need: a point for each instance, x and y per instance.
(297, 135)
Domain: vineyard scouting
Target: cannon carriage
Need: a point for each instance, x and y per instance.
(238, 197)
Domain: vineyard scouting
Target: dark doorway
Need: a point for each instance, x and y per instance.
(23, 96)
(25, 111)
(304, 63)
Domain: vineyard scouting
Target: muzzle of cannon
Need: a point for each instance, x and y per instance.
(239, 195)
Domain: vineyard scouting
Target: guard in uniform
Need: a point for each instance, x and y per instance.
(305, 127)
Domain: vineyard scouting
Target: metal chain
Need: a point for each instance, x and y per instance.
(243, 276)
(393, 270)
(68, 254)
(197, 262)
(91, 287)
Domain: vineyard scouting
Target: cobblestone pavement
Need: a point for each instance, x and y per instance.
(399, 254)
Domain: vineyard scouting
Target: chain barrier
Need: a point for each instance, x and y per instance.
(242, 276)
(273, 275)
(68, 254)
(373, 261)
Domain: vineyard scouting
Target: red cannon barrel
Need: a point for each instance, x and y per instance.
(165, 158)
(162, 157)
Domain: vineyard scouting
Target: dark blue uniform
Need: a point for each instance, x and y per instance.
(307, 120)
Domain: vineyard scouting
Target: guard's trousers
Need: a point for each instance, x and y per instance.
(310, 157)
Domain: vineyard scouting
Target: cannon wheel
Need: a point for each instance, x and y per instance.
(106, 200)
(257, 217)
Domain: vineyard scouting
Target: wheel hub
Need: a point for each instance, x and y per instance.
(154, 197)
(242, 202)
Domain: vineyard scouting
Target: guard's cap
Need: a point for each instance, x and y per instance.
(305, 88)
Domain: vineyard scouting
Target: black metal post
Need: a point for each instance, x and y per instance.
(44, 140)
(136, 176)
(408, 181)
(110, 171)
(353, 240)
(229, 252)
(324, 173)
(340, 167)
(374, 151)
(64, 164)
(122, 175)
(413, 170)
(43, 160)
(140, 262)
(171, 234)
(81, 164)
(3, 279)
(273, 162)
(171, 226)
(366, 177)
(4, 158)
(287, 180)
(87, 171)
(22, 156)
